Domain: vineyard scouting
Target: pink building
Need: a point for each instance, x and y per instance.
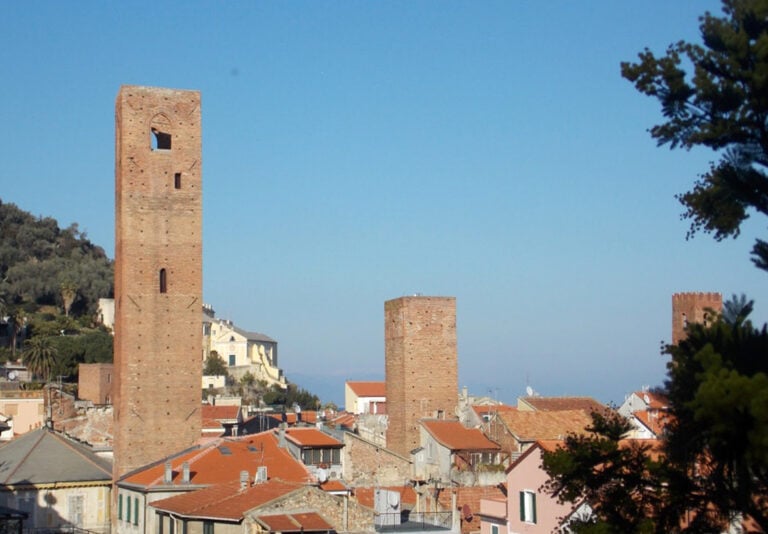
(526, 508)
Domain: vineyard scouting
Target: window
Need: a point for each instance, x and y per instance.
(171, 525)
(494, 529)
(160, 140)
(119, 507)
(177, 180)
(528, 506)
(135, 510)
(231, 360)
(207, 527)
(163, 281)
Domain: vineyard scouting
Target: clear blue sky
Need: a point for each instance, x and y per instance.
(355, 152)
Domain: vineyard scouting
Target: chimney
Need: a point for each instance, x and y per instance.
(261, 474)
(243, 479)
(168, 474)
(185, 473)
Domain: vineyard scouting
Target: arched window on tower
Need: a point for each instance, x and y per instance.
(160, 136)
(163, 281)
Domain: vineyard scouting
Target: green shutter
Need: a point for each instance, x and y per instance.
(135, 510)
(533, 506)
(522, 506)
(119, 507)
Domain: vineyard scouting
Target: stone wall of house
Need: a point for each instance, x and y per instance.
(692, 308)
(158, 274)
(332, 507)
(369, 464)
(94, 382)
(421, 365)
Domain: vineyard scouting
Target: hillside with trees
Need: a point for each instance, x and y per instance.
(51, 279)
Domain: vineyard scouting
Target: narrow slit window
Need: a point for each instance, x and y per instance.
(177, 180)
(160, 140)
(163, 281)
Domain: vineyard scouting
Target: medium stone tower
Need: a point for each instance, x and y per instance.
(692, 308)
(421, 365)
(158, 274)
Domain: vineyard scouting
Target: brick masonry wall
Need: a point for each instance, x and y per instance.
(158, 224)
(331, 507)
(94, 382)
(367, 464)
(421, 365)
(692, 308)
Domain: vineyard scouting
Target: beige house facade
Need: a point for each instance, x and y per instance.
(242, 351)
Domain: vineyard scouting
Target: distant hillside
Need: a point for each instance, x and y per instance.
(44, 265)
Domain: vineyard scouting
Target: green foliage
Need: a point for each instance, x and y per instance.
(248, 379)
(40, 357)
(290, 396)
(620, 480)
(718, 393)
(721, 104)
(43, 264)
(215, 365)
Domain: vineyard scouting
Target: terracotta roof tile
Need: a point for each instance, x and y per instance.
(457, 437)
(344, 419)
(558, 404)
(368, 389)
(220, 412)
(225, 501)
(222, 461)
(533, 425)
(333, 485)
(364, 496)
(294, 522)
(311, 437)
(654, 420)
(656, 401)
(309, 417)
(483, 409)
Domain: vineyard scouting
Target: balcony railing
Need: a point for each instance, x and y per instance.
(413, 521)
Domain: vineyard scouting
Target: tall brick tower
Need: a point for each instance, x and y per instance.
(158, 274)
(690, 308)
(421, 365)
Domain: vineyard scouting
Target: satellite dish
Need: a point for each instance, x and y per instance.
(647, 399)
(12, 375)
(529, 391)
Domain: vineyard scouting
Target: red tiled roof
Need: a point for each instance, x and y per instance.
(368, 389)
(457, 437)
(222, 461)
(344, 419)
(225, 501)
(534, 425)
(482, 409)
(559, 404)
(220, 412)
(365, 496)
(309, 417)
(657, 401)
(294, 522)
(311, 437)
(655, 421)
(333, 485)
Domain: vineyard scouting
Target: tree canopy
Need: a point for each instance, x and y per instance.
(42, 264)
(713, 467)
(715, 95)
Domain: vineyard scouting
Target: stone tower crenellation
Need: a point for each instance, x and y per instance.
(158, 274)
(690, 308)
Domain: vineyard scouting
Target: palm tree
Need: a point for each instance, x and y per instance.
(39, 356)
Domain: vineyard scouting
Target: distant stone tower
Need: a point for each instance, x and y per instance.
(690, 308)
(421, 365)
(158, 274)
